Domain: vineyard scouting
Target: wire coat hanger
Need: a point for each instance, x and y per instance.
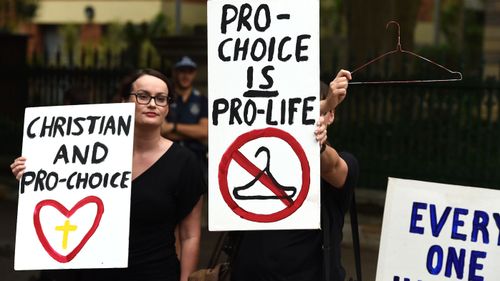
(399, 49)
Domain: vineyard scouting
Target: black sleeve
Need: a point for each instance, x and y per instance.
(343, 196)
(193, 186)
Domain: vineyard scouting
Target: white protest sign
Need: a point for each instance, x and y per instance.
(74, 196)
(263, 84)
(439, 232)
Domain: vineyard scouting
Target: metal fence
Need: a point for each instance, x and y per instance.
(438, 132)
(98, 73)
(446, 132)
(48, 85)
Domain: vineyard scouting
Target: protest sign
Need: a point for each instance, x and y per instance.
(435, 231)
(74, 196)
(263, 83)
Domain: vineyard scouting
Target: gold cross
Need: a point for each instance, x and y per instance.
(66, 228)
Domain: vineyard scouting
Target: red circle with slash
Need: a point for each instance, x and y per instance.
(233, 153)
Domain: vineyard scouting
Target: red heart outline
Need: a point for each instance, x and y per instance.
(41, 236)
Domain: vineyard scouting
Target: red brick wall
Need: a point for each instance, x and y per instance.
(90, 34)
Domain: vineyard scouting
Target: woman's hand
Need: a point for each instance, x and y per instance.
(18, 167)
(320, 132)
(333, 167)
(337, 91)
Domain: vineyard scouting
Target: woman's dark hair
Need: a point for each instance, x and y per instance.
(126, 84)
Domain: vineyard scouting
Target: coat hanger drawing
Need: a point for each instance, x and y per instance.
(457, 76)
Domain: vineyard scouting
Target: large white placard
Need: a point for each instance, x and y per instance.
(263, 89)
(437, 232)
(74, 197)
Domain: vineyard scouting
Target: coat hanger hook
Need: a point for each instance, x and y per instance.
(400, 50)
(399, 32)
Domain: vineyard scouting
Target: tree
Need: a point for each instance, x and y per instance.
(140, 50)
(332, 34)
(15, 12)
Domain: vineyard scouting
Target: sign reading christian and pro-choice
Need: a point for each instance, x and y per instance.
(74, 196)
(436, 232)
(263, 89)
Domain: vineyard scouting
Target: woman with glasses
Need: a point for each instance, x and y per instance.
(167, 185)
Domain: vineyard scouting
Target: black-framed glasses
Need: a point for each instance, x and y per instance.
(160, 100)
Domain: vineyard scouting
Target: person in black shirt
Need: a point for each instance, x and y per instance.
(297, 255)
(167, 188)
